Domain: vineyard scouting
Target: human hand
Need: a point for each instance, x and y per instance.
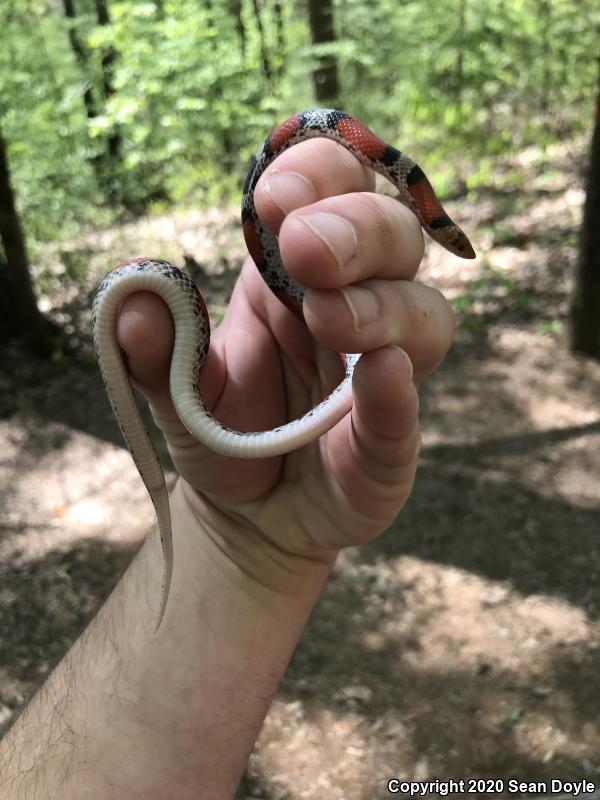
(266, 367)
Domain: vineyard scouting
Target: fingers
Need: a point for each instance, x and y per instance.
(307, 173)
(375, 313)
(373, 451)
(145, 332)
(357, 252)
(341, 240)
(332, 228)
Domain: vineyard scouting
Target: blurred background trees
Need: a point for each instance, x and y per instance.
(127, 106)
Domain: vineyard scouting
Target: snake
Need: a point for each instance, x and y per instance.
(192, 326)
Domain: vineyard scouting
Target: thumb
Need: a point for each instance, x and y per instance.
(146, 333)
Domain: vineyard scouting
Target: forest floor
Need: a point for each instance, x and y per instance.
(465, 642)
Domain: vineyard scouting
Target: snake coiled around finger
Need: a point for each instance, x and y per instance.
(192, 326)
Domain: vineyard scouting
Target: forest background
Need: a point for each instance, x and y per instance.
(126, 128)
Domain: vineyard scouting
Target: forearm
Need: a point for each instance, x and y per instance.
(133, 714)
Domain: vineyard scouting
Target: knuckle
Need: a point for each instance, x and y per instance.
(393, 225)
(378, 217)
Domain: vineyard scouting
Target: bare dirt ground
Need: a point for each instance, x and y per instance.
(465, 642)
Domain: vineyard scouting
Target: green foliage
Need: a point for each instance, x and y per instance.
(42, 118)
(184, 104)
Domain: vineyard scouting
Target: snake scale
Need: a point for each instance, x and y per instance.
(192, 328)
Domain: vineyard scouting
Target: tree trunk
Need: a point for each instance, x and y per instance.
(266, 64)
(325, 76)
(545, 14)
(211, 24)
(108, 63)
(20, 316)
(585, 308)
(279, 28)
(235, 9)
(104, 162)
(460, 60)
(98, 159)
(81, 56)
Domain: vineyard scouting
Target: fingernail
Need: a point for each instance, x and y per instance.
(289, 190)
(406, 358)
(336, 232)
(362, 304)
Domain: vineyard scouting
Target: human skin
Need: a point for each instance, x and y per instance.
(133, 713)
